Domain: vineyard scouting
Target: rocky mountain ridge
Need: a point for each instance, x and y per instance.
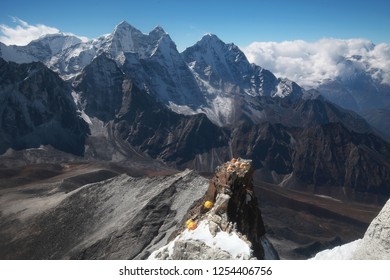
(94, 214)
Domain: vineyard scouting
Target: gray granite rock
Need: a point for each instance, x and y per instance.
(376, 241)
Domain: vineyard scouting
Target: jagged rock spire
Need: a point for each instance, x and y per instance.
(232, 190)
(229, 212)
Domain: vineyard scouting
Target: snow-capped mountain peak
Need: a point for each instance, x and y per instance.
(124, 38)
(225, 75)
(41, 49)
(212, 44)
(127, 39)
(124, 26)
(55, 42)
(224, 67)
(206, 78)
(157, 32)
(213, 60)
(210, 38)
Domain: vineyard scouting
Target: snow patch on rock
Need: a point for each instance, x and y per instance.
(231, 243)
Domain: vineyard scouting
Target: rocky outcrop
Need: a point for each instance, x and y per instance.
(232, 190)
(376, 241)
(226, 223)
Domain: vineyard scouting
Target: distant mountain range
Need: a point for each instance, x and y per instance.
(135, 92)
(354, 73)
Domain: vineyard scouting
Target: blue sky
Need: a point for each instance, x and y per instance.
(241, 21)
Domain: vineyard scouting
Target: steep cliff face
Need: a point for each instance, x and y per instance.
(226, 223)
(99, 87)
(332, 155)
(235, 179)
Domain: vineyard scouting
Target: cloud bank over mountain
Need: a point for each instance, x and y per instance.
(23, 32)
(311, 63)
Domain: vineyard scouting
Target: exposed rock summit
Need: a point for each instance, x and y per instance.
(226, 223)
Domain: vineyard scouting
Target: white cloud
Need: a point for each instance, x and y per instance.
(309, 63)
(23, 33)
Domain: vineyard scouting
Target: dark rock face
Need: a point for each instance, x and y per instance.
(269, 146)
(236, 178)
(332, 155)
(137, 118)
(317, 111)
(100, 88)
(37, 109)
(161, 133)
